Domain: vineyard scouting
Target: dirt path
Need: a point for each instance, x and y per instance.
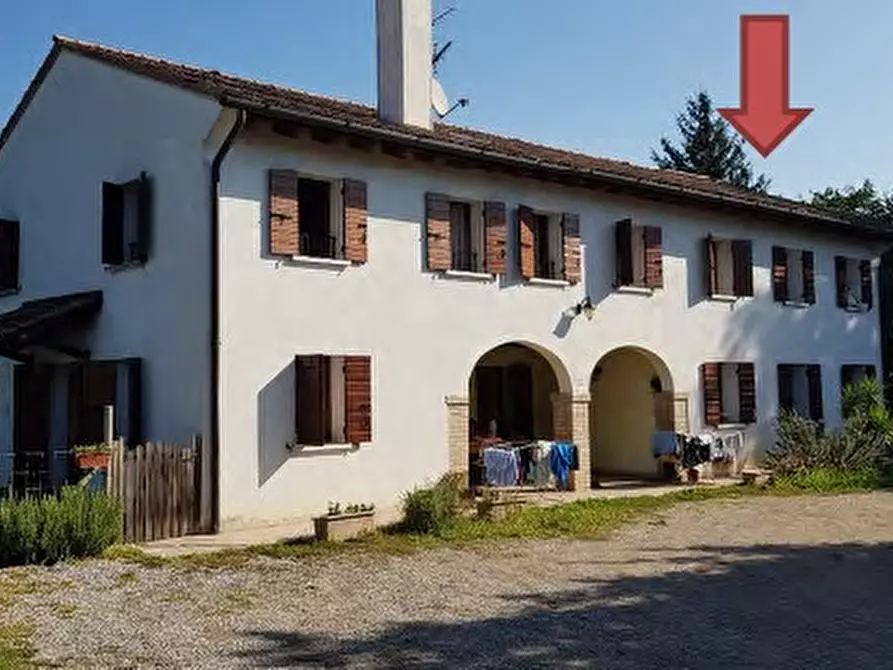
(750, 583)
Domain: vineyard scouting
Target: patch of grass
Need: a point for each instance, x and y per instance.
(128, 553)
(832, 480)
(16, 648)
(128, 578)
(63, 610)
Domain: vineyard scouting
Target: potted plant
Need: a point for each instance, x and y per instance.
(345, 523)
(92, 456)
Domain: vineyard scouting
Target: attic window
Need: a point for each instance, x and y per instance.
(126, 222)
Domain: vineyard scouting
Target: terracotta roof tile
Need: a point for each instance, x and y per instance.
(277, 100)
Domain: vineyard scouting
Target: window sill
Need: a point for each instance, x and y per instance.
(799, 304)
(723, 297)
(122, 267)
(320, 450)
(10, 291)
(319, 262)
(469, 275)
(856, 309)
(731, 426)
(634, 290)
(542, 281)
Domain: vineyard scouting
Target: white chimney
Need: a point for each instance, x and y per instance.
(405, 51)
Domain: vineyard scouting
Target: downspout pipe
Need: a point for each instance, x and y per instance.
(214, 429)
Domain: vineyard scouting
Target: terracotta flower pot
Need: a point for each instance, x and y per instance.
(93, 460)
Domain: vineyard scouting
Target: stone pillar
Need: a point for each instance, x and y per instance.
(570, 420)
(457, 433)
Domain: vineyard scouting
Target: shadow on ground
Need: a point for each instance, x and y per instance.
(711, 607)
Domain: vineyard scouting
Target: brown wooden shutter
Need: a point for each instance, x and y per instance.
(779, 274)
(358, 399)
(9, 255)
(526, 265)
(808, 262)
(495, 236)
(623, 253)
(654, 257)
(785, 387)
(285, 226)
(145, 207)
(711, 275)
(742, 270)
(437, 232)
(865, 277)
(312, 400)
(814, 381)
(840, 280)
(356, 221)
(570, 232)
(710, 375)
(112, 224)
(747, 393)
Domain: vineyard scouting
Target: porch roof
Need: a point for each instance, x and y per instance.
(37, 322)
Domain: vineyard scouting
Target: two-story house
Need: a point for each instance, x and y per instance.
(337, 297)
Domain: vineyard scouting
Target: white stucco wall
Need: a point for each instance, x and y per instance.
(425, 332)
(89, 123)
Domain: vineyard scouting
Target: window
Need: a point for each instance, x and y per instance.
(854, 283)
(9, 256)
(126, 221)
(638, 255)
(313, 217)
(728, 267)
(853, 374)
(729, 393)
(333, 400)
(800, 390)
(793, 275)
(548, 245)
(464, 235)
(94, 384)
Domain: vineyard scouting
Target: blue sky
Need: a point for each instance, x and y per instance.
(601, 76)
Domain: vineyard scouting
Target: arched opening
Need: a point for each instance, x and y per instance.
(511, 392)
(631, 393)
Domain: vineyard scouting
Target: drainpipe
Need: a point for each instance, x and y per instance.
(214, 437)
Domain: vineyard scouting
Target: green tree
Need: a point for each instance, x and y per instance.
(708, 147)
(864, 203)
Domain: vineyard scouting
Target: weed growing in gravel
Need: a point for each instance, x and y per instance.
(128, 578)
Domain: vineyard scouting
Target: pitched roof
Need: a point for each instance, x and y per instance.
(349, 117)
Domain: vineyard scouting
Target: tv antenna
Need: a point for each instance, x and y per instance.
(439, 100)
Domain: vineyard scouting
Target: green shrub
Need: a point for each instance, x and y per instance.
(76, 523)
(435, 509)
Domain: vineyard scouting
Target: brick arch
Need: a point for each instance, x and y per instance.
(559, 368)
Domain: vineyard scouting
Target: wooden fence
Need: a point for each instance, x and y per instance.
(161, 488)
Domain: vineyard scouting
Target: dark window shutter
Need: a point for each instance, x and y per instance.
(710, 269)
(285, 226)
(742, 271)
(356, 221)
(654, 257)
(747, 393)
(9, 255)
(840, 280)
(526, 259)
(570, 233)
(623, 252)
(312, 400)
(134, 426)
(870, 372)
(808, 262)
(779, 274)
(814, 381)
(437, 232)
(112, 224)
(865, 277)
(712, 381)
(358, 399)
(145, 206)
(495, 236)
(785, 387)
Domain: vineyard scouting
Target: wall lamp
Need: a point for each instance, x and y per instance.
(584, 307)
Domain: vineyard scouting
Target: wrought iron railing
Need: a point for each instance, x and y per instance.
(318, 246)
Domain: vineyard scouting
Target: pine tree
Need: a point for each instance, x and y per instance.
(708, 147)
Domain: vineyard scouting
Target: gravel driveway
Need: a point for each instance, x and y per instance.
(750, 583)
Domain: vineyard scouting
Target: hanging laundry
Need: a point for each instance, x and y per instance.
(501, 467)
(540, 473)
(561, 458)
(664, 443)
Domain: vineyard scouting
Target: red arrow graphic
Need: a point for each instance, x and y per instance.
(765, 118)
